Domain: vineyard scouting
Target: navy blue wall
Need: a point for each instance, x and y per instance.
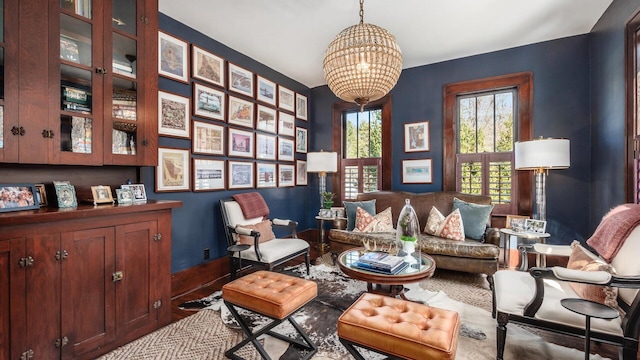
(608, 108)
(561, 109)
(198, 224)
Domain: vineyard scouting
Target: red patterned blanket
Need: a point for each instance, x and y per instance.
(614, 229)
(252, 204)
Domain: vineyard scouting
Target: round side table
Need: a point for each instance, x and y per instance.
(237, 248)
(589, 309)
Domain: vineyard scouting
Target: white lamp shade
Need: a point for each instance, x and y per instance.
(322, 162)
(542, 154)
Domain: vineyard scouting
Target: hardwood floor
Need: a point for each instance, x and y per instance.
(216, 284)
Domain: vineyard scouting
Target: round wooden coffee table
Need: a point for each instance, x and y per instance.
(385, 284)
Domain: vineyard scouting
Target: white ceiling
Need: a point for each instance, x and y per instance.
(291, 36)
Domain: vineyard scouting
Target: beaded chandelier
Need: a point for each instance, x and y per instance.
(363, 63)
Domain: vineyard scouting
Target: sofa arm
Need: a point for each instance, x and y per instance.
(492, 236)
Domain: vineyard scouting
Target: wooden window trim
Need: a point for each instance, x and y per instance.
(632, 189)
(341, 106)
(524, 83)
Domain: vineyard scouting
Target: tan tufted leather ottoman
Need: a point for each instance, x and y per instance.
(274, 295)
(399, 328)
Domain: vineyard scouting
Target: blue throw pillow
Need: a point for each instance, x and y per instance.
(351, 207)
(475, 218)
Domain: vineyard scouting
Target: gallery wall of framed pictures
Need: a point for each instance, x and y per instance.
(246, 131)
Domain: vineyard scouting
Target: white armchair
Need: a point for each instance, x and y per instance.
(533, 298)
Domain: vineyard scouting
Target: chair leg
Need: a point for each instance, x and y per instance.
(232, 270)
(501, 334)
(307, 261)
(629, 350)
(492, 286)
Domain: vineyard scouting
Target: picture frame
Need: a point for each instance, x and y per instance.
(125, 196)
(101, 194)
(301, 140)
(286, 99)
(18, 197)
(66, 195)
(240, 112)
(286, 124)
(138, 190)
(41, 195)
(266, 119)
(509, 221)
(173, 115)
(285, 149)
(207, 66)
(301, 172)
(173, 57)
(208, 102)
(240, 143)
(338, 212)
(208, 175)
(240, 80)
(302, 107)
(172, 172)
(266, 90)
(286, 175)
(266, 175)
(265, 147)
(240, 174)
(417, 171)
(535, 226)
(416, 136)
(207, 138)
(517, 225)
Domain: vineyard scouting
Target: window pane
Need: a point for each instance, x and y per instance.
(370, 178)
(471, 181)
(485, 123)
(350, 182)
(363, 134)
(467, 135)
(500, 182)
(504, 122)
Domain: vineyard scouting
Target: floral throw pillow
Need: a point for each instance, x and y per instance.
(365, 222)
(433, 222)
(452, 227)
(363, 219)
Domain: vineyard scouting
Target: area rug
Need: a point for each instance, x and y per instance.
(205, 335)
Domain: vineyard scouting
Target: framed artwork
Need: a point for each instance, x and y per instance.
(286, 175)
(66, 195)
(16, 197)
(266, 175)
(417, 171)
(285, 149)
(41, 195)
(173, 115)
(301, 140)
(101, 194)
(206, 66)
(535, 226)
(301, 172)
(124, 196)
(265, 147)
(266, 119)
(240, 80)
(240, 174)
(207, 138)
(240, 112)
(266, 91)
(138, 190)
(286, 99)
(240, 143)
(301, 106)
(208, 175)
(519, 224)
(208, 102)
(173, 57)
(416, 136)
(172, 172)
(286, 124)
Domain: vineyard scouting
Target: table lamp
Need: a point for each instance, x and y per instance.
(541, 155)
(322, 162)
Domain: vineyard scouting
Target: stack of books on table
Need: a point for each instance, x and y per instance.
(381, 262)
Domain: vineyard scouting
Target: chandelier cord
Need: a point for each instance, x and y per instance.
(361, 12)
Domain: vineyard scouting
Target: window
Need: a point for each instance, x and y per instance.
(362, 155)
(482, 120)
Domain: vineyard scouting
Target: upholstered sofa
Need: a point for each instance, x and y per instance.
(474, 256)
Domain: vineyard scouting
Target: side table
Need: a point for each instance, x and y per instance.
(589, 309)
(335, 224)
(506, 234)
(237, 248)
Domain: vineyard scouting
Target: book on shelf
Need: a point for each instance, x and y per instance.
(392, 271)
(380, 259)
(69, 49)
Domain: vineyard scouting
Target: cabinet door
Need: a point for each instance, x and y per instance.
(88, 290)
(136, 257)
(12, 300)
(9, 126)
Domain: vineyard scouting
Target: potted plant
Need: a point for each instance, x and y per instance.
(327, 199)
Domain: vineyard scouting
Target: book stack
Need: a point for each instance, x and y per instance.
(77, 100)
(381, 262)
(123, 68)
(124, 104)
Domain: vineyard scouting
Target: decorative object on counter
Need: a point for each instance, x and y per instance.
(15, 197)
(407, 233)
(139, 193)
(101, 195)
(322, 162)
(125, 196)
(327, 199)
(41, 195)
(66, 194)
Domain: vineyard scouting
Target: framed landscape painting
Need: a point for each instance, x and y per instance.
(417, 171)
(240, 112)
(301, 140)
(286, 99)
(286, 124)
(207, 67)
(240, 80)
(266, 119)
(173, 55)
(172, 172)
(240, 143)
(286, 175)
(207, 138)
(208, 102)
(301, 172)
(173, 115)
(266, 175)
(208, 175)
(266, 91)
(285, 149)
(416, 136)
(301, 106)
(240, 174)
(265, 147)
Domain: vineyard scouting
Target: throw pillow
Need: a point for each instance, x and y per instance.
(363, 219)
(381, 222)
(351, 206)
(475, 217)
(452, 227)
(263, 227)
(583, 259)
(433, 222)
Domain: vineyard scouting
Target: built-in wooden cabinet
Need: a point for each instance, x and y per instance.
(84, 82)
(75, 284)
